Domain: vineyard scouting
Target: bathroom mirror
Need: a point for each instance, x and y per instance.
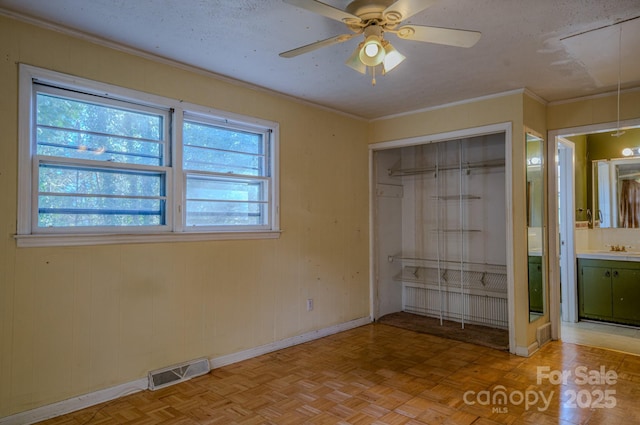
(535, 224)
(616, 190)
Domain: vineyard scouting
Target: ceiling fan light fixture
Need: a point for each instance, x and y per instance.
(354, 61)
(372, 53)
(392, 57)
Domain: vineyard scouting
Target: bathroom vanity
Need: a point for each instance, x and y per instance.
(609, 286)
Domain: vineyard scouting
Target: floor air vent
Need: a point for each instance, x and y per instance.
(177, 373)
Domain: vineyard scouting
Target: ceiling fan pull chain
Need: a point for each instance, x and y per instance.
(373, 73)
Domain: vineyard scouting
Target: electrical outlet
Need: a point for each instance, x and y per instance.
(309, 304)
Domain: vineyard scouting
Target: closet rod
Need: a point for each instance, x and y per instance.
(467, 166)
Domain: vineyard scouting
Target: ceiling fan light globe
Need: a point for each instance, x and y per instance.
(392, 58)
(354, 62)
(372, 53)
(371, 50)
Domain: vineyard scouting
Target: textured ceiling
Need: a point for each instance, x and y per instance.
(540, 45)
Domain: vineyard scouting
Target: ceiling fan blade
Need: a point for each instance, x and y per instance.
(406, 8)
(318, 44)
(446, 36)
(324, 10)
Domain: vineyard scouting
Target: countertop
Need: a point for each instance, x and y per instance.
(609, 255)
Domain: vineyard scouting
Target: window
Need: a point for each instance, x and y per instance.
(227, 173)
(98, 161)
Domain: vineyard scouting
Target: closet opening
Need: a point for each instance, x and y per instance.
(439, 237)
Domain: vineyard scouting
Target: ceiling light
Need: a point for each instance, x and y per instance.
(354, 61)
(631, 151)
(373, 18)
(372, 53)
(392, 57)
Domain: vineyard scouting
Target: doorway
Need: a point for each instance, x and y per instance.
(571, 214)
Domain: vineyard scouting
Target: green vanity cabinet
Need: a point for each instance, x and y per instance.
(626, 294)
(609, 290)
(595, 292)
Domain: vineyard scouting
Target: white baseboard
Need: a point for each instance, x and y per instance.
(77, 403)
(108, 394)
(284, 343)
(527, 351)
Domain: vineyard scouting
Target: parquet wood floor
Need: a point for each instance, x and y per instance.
(378, 374)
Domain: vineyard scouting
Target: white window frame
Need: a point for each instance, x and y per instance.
(28, 234)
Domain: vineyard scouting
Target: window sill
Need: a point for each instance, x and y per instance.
(32, 241)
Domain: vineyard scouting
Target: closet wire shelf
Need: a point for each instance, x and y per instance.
(453, 276)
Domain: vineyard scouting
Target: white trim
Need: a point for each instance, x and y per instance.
(567, 269)
(511, 285)
(285, 343)
(31, 241)
(174, 229)
(101, 396)
(535, 97)
(527, 351)
(25, 175)
(373, 276)
(76, 403)
(507, 129)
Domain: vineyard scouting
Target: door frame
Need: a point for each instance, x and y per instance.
(565, 150)
(554, 250)
(505, 128)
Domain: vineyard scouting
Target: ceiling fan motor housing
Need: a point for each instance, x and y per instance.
(371, 11)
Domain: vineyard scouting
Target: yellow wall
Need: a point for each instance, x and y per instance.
(593, 110)
(77, 319)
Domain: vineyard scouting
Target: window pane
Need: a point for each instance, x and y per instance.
(217, 213)
(70, 144)
(71, 196)
(221, 150)
(212, 137)
(218, 202)
(76, 211)
(198, 159)
(96, 181)
(75, 129)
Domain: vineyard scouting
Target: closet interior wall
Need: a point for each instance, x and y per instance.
(440, 230)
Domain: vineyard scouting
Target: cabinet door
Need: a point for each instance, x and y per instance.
(626, 294)
(596, 291)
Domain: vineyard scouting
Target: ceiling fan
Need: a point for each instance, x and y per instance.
(374, 18)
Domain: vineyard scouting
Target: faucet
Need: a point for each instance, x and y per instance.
(618, 248)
